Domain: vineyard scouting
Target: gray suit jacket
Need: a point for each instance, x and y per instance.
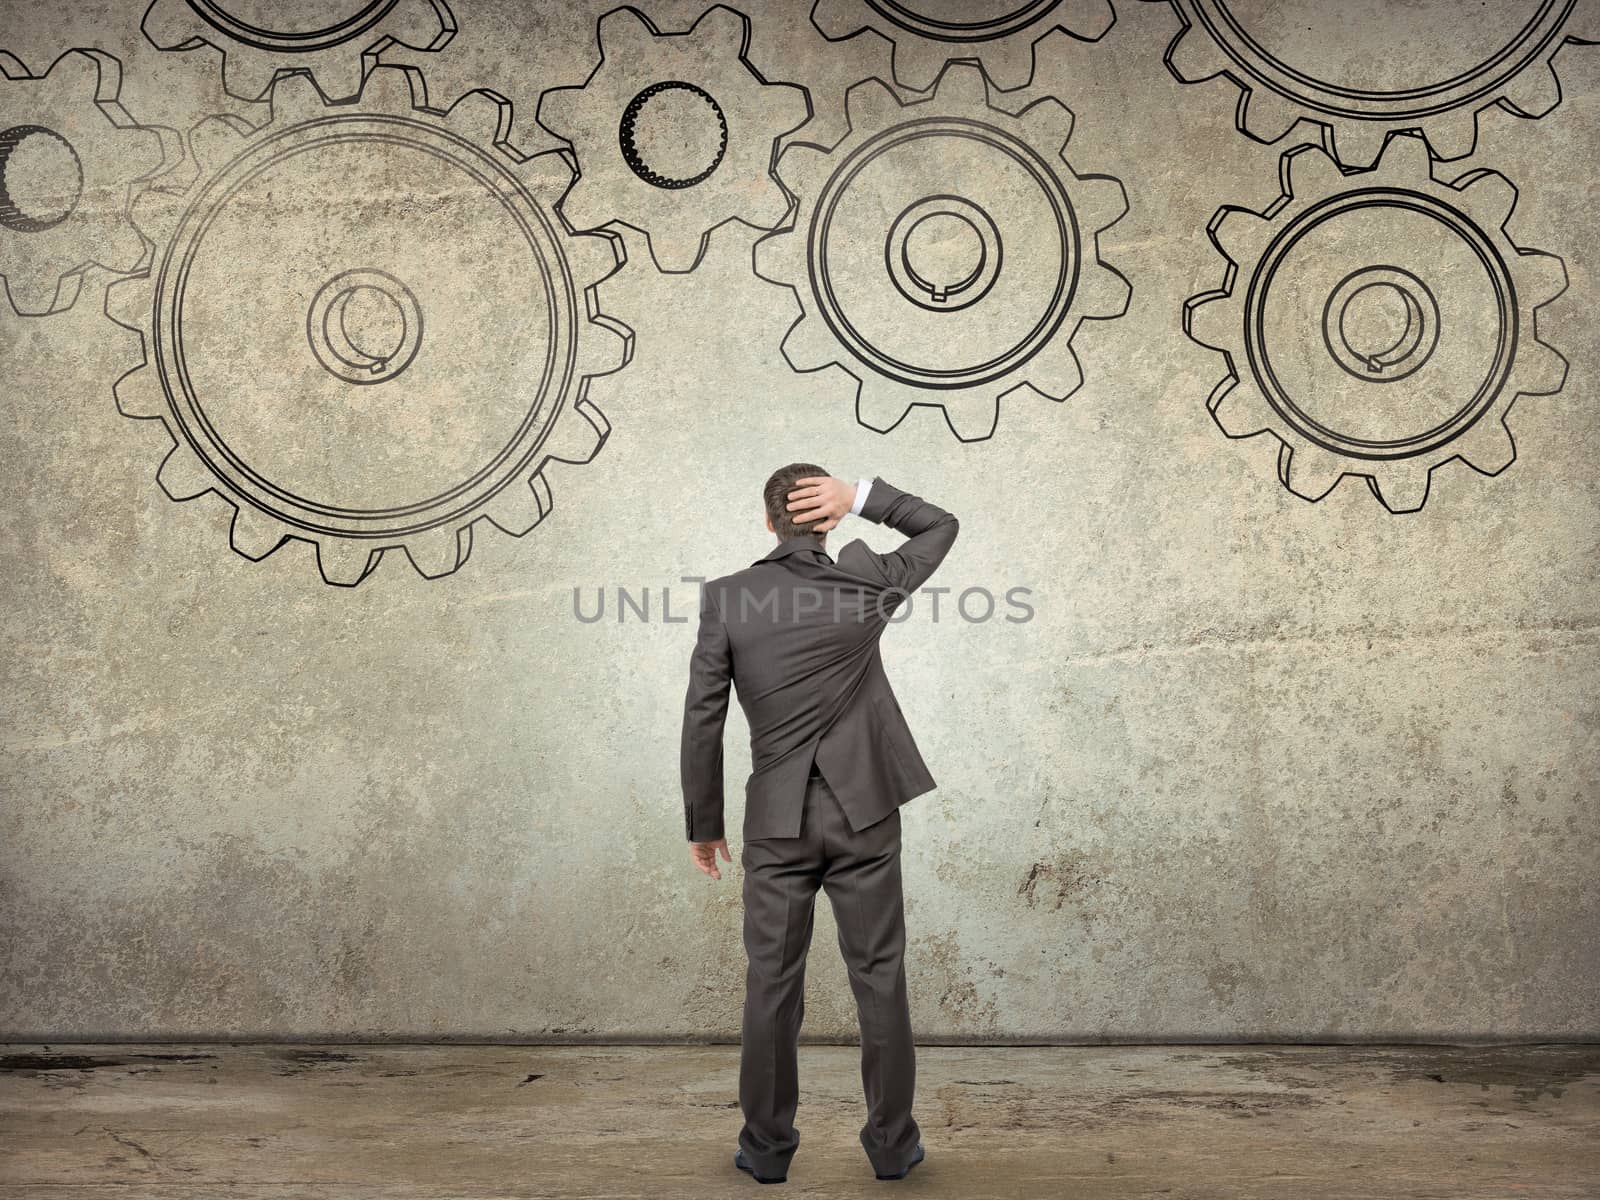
(796, 633)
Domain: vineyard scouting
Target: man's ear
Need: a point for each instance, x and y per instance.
(771, 528)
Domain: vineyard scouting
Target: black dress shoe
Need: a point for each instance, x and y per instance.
(915, 1159)
(743, 1163)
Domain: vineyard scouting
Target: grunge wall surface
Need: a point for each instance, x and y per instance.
(309, 735)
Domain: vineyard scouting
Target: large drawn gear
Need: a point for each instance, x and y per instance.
(1000, 34)
(700, 89)
(338, 44)
(403, 369)
(1378, 324)
(1310, 59)
(978, 286)
(69, 155)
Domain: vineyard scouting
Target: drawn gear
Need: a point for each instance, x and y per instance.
(741, 115)
(1378, 324)
(1357, 112)
(927, 307)
(338, 52)
(929, 33)
(405, 369)
(69, 153)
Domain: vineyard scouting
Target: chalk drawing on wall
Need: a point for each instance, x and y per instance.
(1379, 323)
(674, 134)
(337, 42)
(926, 34)
(944, 253)
(364, 374)
(69, 155)
(1429, 66)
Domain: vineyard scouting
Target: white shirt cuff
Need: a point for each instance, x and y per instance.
(863, 487)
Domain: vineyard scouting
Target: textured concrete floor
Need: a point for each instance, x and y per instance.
(410, 1121)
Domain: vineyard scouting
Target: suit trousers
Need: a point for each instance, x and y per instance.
(861, 873)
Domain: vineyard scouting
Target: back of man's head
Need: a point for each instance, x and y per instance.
(776, 495)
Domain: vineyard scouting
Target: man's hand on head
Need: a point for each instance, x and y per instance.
(704, 856)
(821, 499)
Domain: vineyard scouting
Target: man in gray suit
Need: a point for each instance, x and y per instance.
(796, 633)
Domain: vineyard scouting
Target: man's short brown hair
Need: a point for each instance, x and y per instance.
(776, 495)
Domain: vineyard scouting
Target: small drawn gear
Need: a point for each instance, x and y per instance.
(69, 155)
(674, 133)
(944, 253)
(1379, 323)
(369, 374)
(929, 33)
(337, 43)
(1309, 59)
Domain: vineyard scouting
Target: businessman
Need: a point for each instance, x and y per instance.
(796, 633)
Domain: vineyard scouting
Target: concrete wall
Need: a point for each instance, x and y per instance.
(1256, 768)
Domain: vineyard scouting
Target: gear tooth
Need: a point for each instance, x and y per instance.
(1101, 200)
(122, 251)
(1048, 123)
(182, 475)
(578, 434)
(547, 175)
(790, 106)
(518, 507)
(808, 347)
(256, 534)
(1490, 197)
(1533, 92)
(1582, 24)
(803, 169)
(1355, 143)
(76, 74)
(879, 410)
(1102, 293)
(838, 19)
(1055, 373)
(346, 561)
(1267, 116)
(558, 111)
(36, 294)
(1540, 370)
(1540, 277)
(605, 347)
(139, 394)
(1310, 472)
(1240, 233)
(128, 301)
(438, 551)
(769, 209)
(1403, 486)
(868, 105)
(1454, 134)
(917, 65)
(1406, 159)
(539, 486)
(722, 31)
(963, 84)
(1312, 172)
(780, 257)
(584, 207)
(247, 77)
(1213, 319)
(677, 251)
(973, 417)
(1193, 56)
(1241, 410)
(421, 24)
(591, 257)
(389, 88)
(212, 142)
(1089, 20)
(624, 35)
(1488, 447)
(155, 213)
(170, 25)
(483, 115)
